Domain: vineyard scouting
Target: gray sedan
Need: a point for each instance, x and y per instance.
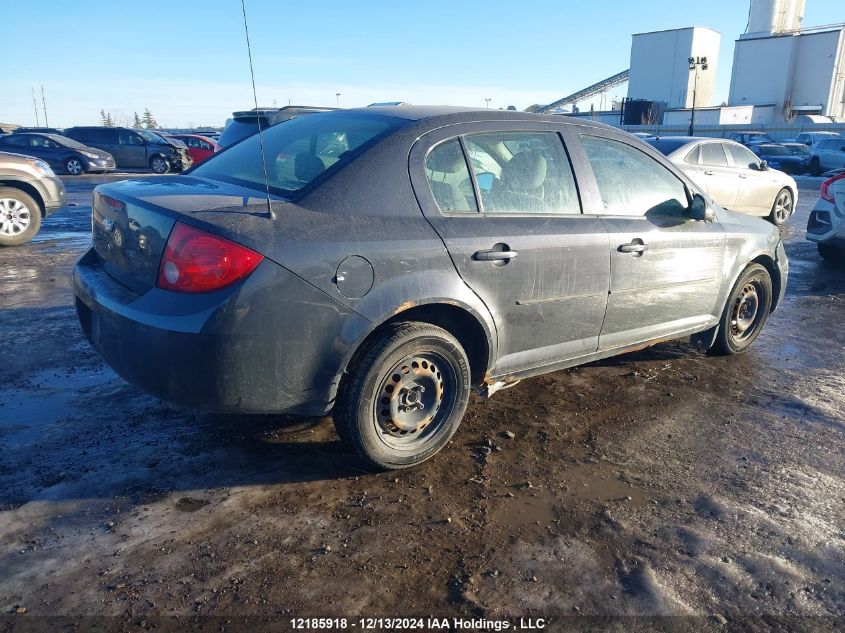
(732, 175)
(396, 258)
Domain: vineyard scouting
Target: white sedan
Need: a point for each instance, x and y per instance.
(733, 176)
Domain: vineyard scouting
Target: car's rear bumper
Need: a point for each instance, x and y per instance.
(826, 224)
(270, 344)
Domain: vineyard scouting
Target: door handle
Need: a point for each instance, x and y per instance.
(708, 173)
(743, 176)
(494, 255)
(637, 247)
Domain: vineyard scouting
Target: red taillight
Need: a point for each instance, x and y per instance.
(196, 261)
(824, 193)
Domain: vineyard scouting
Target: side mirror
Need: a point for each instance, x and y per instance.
(700, 210)
(764, 166)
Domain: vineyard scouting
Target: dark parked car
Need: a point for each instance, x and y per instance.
(751, 138)
(405, 256)
(60, 152)
(245, 123)
(134, 147)
(29, 192)
(781, 157)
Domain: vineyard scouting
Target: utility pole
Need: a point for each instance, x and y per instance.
(35, 107)
(488, 100)
(694, 64)
(44, 104)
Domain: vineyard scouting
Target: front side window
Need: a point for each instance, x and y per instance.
(713, 155)
(632, 183)
(523, 173)
(742, 156)
(298, 151)
(448, 178)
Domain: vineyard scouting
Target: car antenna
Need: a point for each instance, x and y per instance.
(270, 213)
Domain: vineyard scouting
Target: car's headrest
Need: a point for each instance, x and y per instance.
(306, 167)
(524, 171)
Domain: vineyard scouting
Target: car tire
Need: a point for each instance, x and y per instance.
(159, 164)
(74, 166)
(20, 217)
(745, 312)
(782, 208)
(830, 252)
(815, 167)
(404, 396)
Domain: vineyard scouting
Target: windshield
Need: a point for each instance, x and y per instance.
(152, 137)
(298, 152)
(67, 142)
(760, 138)
(774, 151)
(798, 150)
(666, 146)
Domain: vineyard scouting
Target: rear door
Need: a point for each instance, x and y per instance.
(757, 187)
(719, 179)
(503, 198)
(666, 269)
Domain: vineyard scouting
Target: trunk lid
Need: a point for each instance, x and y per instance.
(131, 221)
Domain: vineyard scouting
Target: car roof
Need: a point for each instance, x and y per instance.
(439, 114)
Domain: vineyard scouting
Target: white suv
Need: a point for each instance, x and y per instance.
(826, 155)
(826, 225)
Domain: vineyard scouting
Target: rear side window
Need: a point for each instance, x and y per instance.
(632, 183)
(523, 173)
(448, 178)
(712, 154)
(297, 152)
(16, 141)
(693, 156)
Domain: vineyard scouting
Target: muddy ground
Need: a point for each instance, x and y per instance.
(695, 492)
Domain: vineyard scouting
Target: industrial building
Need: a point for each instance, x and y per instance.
(783, 75)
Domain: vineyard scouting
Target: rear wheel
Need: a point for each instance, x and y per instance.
(74, 166)
(405, 396)
(746, 311)
(831, 252)
(782, 207)
(159, 164)
(20, 217)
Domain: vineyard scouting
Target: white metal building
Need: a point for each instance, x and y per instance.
(660, 66)
(800, 71)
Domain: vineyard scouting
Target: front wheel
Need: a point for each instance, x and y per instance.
(746, 311)
(74, 166)
(815, 167)
(782, 207)
(20, 217)
(159, 165)
(405, 396)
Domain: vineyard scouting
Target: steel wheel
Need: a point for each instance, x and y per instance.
(404, 395)
(783, 207)
(74, 166)
(746, 311)
(15, 217)
(414, 399)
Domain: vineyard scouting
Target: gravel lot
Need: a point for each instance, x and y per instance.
(692, 492)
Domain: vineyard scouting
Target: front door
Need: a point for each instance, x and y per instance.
(756, 187)
(132, 149)
(503, 198)
(665, 268)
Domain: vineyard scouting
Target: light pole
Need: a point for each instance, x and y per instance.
(337, 96)
(695, 63)
(488, 100)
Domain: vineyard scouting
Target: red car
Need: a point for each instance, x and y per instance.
(199, 147)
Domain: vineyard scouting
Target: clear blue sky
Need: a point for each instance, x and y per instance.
(186, 59)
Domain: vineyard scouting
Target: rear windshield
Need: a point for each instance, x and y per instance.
(666, 146)
(298, 152)
(239, 129)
